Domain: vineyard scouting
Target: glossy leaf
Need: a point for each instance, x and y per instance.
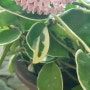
(50, 78)
(83, 68)
(38, 41)
(9, 36)
(10, 6)
(79, 21)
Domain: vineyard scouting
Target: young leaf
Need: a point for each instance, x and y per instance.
(38, 41)
(83, 68)
(50, 78)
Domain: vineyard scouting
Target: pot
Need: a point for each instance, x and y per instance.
(27, 77)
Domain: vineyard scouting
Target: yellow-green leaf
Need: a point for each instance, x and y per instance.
(38, 41)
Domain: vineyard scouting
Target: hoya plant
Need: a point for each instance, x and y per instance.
(51, 33)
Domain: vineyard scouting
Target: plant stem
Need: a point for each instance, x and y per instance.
(67, 48)
(82, 4)
(85, 4)
(66, 71)
(68, 65)
(71, 34)
(70, 75)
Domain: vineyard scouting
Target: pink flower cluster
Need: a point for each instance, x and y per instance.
(43, 6)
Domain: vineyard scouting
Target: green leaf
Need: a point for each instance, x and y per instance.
(7, 18)
(10, 6)
(78, 87)
(69, 6)
(83, 68)
(38, 41)
(79, 21)
(9, 36)
(4, 28)
(56, 50)
(50, 78)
